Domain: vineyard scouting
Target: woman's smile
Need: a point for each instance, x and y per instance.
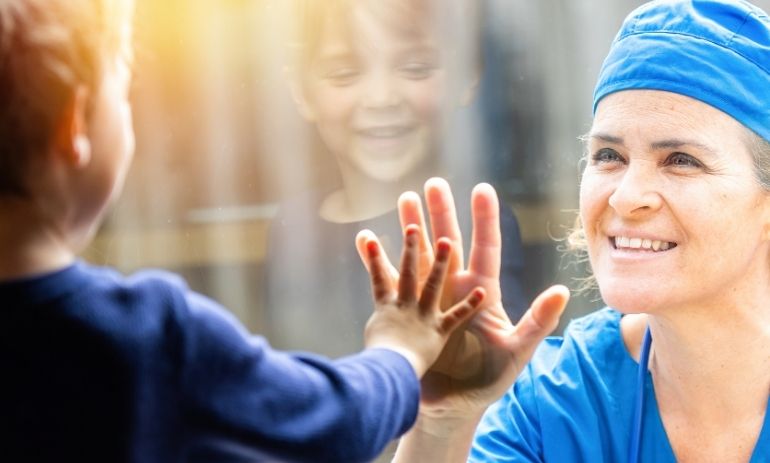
(635, 243)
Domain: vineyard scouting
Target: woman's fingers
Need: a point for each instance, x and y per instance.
(462, 311)
(443, 218)
(539, 321)
(486, 242)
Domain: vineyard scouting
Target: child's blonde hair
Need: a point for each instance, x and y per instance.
(47, 49)
(459, 19)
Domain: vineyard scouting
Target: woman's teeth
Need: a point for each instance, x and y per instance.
(625, 242)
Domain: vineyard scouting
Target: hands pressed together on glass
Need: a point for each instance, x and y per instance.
(413, 325)
(480, 361)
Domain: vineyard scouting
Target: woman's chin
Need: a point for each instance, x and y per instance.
(629, 301)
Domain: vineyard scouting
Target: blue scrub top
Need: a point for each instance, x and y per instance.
(574, 402)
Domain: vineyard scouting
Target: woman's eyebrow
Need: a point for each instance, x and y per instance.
(674, 143)
(606, 137)
(669, 143)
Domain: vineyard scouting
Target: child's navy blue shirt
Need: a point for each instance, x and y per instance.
(99, 367)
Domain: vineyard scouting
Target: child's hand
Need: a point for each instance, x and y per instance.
(480, 362)
(408, 323)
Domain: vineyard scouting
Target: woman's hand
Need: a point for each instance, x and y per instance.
(480, 363)
(409, 321)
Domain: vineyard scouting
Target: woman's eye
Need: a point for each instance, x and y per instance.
(606, 155)
(682, 160)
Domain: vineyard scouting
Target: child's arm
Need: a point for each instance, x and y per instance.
(242, 397)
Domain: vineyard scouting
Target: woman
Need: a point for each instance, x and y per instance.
(675, 214)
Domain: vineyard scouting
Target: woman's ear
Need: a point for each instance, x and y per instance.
(765, 211)
(298, 94)
(71, 142)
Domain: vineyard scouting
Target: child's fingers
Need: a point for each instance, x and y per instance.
(408, 281)
(363, 237)
(382, 284)
(410, 212)
(462, 311)
(431, 291)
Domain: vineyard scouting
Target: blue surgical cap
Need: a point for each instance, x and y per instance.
(716, 51)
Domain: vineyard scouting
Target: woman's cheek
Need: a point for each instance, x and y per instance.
(592, 201)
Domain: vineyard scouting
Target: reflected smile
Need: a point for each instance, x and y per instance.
(385, 132)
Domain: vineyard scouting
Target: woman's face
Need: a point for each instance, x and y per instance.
(673, 215)
(375, 94)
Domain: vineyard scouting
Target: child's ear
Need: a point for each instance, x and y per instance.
(298, 94)
(471, 88)
(71, 140)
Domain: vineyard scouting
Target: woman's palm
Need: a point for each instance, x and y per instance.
(478, 364)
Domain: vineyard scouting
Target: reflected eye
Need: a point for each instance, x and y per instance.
(606, 156)
(683, 160)
(342, 76)
(417, 70)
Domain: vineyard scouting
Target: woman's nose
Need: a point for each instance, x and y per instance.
(637, 192)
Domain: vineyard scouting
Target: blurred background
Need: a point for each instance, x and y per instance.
(241, 184)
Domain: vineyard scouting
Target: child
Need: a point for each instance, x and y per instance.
(99, 367)
(380, 81)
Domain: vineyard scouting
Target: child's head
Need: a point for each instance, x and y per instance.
(65, 125)
(376, 76)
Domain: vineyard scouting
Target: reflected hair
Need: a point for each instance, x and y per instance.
(47, 49)
(459, 21)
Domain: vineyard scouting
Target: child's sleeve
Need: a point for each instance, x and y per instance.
(246, 400)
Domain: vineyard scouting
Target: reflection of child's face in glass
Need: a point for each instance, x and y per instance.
(374, 92)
